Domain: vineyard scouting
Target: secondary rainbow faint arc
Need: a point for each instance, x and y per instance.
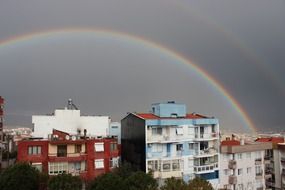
(142, 41)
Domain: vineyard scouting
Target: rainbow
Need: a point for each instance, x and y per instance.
(11, 42)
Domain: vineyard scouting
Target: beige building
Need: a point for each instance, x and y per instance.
(242, 165)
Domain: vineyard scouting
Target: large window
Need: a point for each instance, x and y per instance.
(179, 131)
(157, 148)
(77, 148)
(153, 165)
(57, 168)
(113, 147)
(156, 130)
(99, 147)
(61, 151)
(175, 165)
(99, 164)
(34, 150)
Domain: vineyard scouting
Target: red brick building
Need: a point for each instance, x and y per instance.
(63, 153)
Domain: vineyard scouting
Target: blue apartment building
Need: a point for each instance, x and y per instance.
(172, 143)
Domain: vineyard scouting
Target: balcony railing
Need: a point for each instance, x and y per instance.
(258, 161)
(205, 168)
(206, 136)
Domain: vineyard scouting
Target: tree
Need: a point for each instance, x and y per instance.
(19, 176)
(141, 181)
(108, 181)
(199, 184)
(65, 182)
(174, 184)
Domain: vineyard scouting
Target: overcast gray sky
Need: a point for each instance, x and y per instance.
(240, 43)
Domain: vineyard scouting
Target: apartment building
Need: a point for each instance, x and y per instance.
(64, 153)
(1, 129)
(172, 143)
(281, 148)
(242, 165)
(71, 121)
(272, 162)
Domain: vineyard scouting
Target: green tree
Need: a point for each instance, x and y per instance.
(125, 170)
(65, 182)
(108, 181)
(174, 184)
(19, 176)
(199, 184)
(141, 181)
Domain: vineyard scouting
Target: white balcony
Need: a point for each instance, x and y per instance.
(206, 153)
(206, 136)
(205, 168)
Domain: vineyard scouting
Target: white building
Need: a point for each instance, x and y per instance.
(115, 130)
(69, 120)
(281, 162)
(242, 165)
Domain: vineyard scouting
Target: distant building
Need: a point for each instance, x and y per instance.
(172, 143)
(1, 129)
(70, 121)
(281, 172)
(242, 165)
(272, 164)
(64, 153)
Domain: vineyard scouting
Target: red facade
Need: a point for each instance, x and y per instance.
(77, 153)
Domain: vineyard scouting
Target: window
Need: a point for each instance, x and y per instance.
(239, 156)
(213, 129)
(153, 165)
(191, 130)
(258, 170)
(179, 147)
(156, 130)
(61, 150)
(38, 166)
(240, 171)
(157, 148)
(166, 166)
(248, 170)
(77, 148)
(175, 165)
(191, 146)
(99, 163)
(99, 147)
(225, 157)
(258, 155)
(34, 150)
(113, 146)
(248, 155)
(114, 162)
(179, 131)
(57, 168)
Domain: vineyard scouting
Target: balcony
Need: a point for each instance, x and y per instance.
(267, 175)
(283, 160)
(258, 161)
(67, 157)
(205, 168)
(233, 180)
(259, 188)
(270, 184)
(232, 164)
(258, 175)
(207, 153)
(206, 136)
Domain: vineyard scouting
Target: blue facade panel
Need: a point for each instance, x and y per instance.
(169, 109)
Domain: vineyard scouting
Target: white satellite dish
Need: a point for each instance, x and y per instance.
(73, 138)
(67, 137)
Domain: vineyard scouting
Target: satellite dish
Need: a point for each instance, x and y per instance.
(73, 138)
(67, 137)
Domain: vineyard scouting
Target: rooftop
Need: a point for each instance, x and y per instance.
(152, 116)
(271, 139)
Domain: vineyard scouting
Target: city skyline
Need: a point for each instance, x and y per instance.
(107, 73)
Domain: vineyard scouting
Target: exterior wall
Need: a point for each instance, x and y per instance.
(281, 162)
(191, 159)
(238, 170)
(133, 141)
(70, 121)
(82, 164)
(1, 118)
(169, 109)
(115, 130)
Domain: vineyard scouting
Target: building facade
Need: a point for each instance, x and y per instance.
(64, 153)
(242, 165)
(171, 143)
(71, 121)
(115, 130)
(1, 129)
(281, 148)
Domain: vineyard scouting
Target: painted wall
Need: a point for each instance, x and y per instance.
(70, 121)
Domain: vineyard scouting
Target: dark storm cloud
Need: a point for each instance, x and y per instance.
(207, 32)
